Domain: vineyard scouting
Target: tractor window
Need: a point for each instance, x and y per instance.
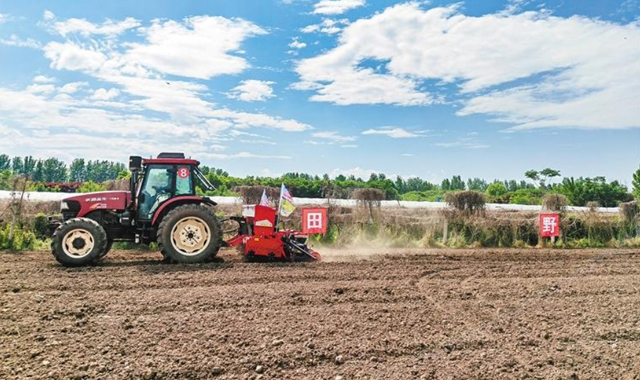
(156, 189)
(184, 184)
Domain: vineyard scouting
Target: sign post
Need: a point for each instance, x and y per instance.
(550, 226)
(314, 221)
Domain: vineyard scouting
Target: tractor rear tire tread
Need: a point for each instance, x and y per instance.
(107, 248)
(169, 253)
(90, 225)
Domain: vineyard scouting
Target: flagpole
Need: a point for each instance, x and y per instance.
(279, 205)
(280, 199)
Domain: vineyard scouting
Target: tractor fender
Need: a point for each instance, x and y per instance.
(177, 201)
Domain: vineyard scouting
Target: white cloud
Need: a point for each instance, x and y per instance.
(247, 120)
(3, 18)
(48, 15)
(221, 156)
(464, 142)
(296, 44)
(514, 6)
(336, 7)
(408, 155)
(327, 26)
(41, 88)
(71, 56)
(334, 137)
(43, 79)
(72, 87)
(104, 94)
(161, 113)
(236, 133)
(252, 91)
(393, 132)
(199, 47)
(16, 41)
(349, 146)
(257, 142)
(109, 28)
(588, 79)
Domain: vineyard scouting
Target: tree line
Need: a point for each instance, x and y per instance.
(531, 190)
(55, 170)
(579, 191)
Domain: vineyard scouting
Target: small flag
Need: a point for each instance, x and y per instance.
(286, 202)
(264, 201)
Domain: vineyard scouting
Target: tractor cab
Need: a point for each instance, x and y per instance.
(155, 181)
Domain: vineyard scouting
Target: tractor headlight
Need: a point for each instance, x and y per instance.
(64, 206)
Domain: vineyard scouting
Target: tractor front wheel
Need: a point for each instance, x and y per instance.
(78, 241)
(189, 234)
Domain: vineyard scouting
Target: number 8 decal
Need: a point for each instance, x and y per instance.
(183, 172)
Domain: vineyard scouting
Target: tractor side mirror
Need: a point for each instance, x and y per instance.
(135, 163)
(133, 182)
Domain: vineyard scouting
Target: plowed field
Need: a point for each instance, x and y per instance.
(386, 314)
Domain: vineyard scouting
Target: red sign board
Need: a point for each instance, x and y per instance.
(549, 225)
(314, 220)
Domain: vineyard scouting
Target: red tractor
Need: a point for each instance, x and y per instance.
(162, 207)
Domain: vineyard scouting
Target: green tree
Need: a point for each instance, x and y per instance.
(5, 162)
(636, 183)
(583, 190)
(28, 165)
(17, 166)
(548, 173)
(54, 170)
(77, 170)
(497, 189)
(38, 172)
(532, 175)
(457, 183)
(477, 184)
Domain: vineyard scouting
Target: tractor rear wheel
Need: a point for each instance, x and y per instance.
(108, 248)
(189, 234)
(78, 241)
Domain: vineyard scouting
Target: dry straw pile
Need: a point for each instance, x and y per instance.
(555, 202)
(251, 195)
(467, 202)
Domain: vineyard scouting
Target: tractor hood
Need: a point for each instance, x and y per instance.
(103, 200)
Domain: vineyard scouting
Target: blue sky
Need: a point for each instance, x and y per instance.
(431, 89)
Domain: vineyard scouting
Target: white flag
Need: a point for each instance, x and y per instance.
(264, 201)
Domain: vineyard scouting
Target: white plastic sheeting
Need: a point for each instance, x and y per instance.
(36, 196)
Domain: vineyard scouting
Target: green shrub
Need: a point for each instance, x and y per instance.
(528, 196)
(41, 225)
(90, 187)
(22, 239)
(424, 196)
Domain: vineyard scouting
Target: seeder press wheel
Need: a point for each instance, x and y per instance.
(299, 251)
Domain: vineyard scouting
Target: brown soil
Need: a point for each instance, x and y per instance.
(432, 314)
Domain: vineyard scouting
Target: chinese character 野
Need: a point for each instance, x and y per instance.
(549, 224)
